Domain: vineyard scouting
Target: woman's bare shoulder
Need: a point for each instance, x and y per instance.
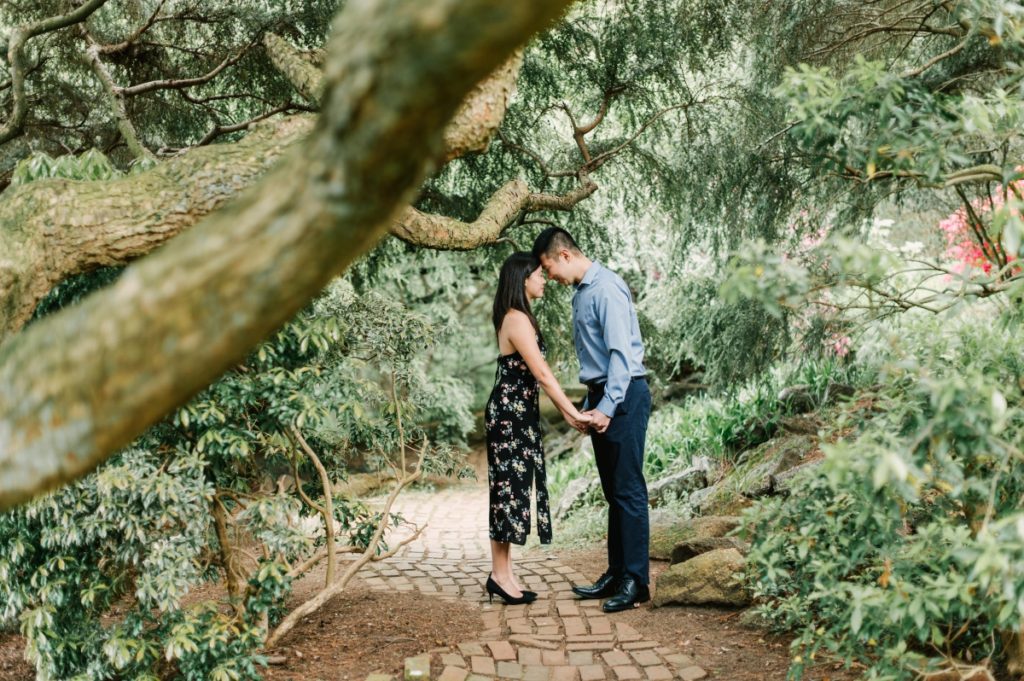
(515, 319)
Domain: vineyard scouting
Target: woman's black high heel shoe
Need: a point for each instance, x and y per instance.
(494, 590)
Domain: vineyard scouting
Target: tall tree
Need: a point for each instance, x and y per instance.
(81, 383)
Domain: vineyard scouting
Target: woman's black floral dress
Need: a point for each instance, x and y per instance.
(515, 453)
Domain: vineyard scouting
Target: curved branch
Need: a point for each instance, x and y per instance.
(82, 383)
(956, 49)
(327, 510)
(219, 130)
(16, 58)
(304, 76)
(470, 130)
(130, 40)
(328, 592)
(116, 101)
(43, 241)
(440, 232)
(51, 230)
(478, 118)
(178, 84)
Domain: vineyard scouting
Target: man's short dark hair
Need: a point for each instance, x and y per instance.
(554, 239)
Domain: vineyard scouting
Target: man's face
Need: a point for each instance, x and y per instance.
(557, 267)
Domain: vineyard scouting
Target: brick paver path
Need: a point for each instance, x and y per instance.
(555, 638)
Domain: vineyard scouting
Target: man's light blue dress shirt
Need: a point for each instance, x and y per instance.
(606, 334)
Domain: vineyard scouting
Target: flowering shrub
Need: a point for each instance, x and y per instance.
(972, 245)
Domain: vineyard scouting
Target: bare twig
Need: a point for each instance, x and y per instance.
(325, 594)
(175, 84)
(913, 73)
(130, 40)
(327, 510)
(16, 58)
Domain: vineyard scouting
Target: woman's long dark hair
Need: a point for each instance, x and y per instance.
(511, 293)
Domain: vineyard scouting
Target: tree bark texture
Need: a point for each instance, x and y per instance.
(303, 75)
(51, 230)
(55, 229)
(80, 384)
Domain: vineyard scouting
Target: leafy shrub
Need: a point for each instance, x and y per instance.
(103, 575)
(905, 548)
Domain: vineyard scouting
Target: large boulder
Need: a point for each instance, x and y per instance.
(782, 483)
(760, 466)
(691, 548)
(668, 531)
(708, 579)
(798, 399)
(718, 500)
(693, 478)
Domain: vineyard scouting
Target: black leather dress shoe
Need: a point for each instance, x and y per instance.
(605, 586)
(629, 596)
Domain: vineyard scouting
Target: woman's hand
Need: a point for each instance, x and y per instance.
(580, 422)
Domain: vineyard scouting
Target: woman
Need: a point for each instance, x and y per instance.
(515, 453)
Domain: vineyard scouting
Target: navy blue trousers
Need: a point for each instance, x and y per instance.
(620, 464)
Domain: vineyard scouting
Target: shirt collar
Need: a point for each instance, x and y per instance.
(589, 275)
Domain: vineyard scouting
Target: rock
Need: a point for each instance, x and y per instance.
(797, 399)
(718, 500)
(667, 532)
(782, 483)
(691, 548)
(699, 496)
(573, 496)
(800, 425)
(836, 391)
(752, 619)
(708, 579)
(753, 433)
(779, 455)
(693, 478)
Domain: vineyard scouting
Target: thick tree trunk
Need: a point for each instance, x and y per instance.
(52, 230)
(55, 229)
(84, 382)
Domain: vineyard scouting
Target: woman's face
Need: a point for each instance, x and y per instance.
(535, 284)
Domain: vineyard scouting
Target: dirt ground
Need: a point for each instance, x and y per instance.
(13, 666)
(359, 632)
(712, 636)
(363, 631)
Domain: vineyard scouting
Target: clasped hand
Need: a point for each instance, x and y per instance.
(587, 420)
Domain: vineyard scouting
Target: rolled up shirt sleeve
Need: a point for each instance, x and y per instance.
(614, 314)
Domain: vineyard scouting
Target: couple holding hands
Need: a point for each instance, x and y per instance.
(618, 404)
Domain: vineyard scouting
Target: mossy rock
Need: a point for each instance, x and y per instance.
(708, 579)
(667, 532)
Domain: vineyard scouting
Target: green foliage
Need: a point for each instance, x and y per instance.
(101, 575)
(130, 535)
(732, 340)
(91, 166)
(716, 427)
(905, 546)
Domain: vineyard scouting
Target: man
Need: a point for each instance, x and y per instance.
(611, 353)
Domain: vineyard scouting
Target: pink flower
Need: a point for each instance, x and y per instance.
(839, 345)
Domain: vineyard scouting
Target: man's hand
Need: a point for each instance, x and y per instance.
(598, 421)
(581, 424)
